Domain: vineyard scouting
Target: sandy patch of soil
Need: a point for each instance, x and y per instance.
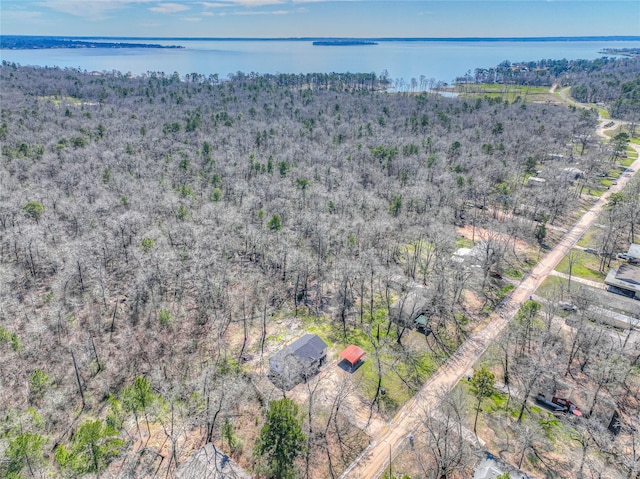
(479, 234)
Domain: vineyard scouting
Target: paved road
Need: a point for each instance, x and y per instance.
(375, 458)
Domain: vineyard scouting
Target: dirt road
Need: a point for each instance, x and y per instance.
(373, 460)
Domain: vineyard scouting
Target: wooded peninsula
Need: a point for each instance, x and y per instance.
(20, 42)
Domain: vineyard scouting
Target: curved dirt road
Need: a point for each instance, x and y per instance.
(375, 458)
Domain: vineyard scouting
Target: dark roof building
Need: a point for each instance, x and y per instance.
(411, 306)
(298, 361)
(210, 463)
(625, 279)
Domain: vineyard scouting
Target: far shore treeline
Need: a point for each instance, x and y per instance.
(19, 42)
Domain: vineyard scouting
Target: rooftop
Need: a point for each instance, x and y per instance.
(618, 318)
(533, 180)
(421, 321)
(626, 277)
(303, 352)
(410, 306)
(629, 274)
(353, 353)
(634, 250)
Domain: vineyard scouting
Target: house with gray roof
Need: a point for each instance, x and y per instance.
(625, 280)
(412, 309)
(491, 467)
(298, 361)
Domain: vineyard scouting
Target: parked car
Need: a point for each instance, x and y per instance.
(628, 258)
(567, 306)
(591, 250)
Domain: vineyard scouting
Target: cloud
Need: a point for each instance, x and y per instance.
(249, 12)
(256, 3)
(170, 8)
(241, 3)
(11, 16)
(262, 12)
(94, 10)
(192, 19)
(215, 4)
(323, 1)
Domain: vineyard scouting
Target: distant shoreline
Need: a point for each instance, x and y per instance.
(13, 42)
(629, 52)
(343, 43)
(5, 39)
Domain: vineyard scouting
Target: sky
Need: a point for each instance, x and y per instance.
(320, 18)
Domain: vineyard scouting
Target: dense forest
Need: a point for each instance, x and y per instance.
(161, 237)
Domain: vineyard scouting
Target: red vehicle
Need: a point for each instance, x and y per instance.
(567, 405)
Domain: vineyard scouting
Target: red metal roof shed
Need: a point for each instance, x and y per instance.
(353, 354)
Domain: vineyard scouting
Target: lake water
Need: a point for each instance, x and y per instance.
(440, 60)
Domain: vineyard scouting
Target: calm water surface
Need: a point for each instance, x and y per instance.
(441, 60)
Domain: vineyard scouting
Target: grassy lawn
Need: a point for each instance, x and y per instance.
(588, 239)
(586, 267)
(596, 192)
(403, 371)
(60, 100)
(463, 242)
(628, 161)
(513, 273)
(555, 288)
(507, 92)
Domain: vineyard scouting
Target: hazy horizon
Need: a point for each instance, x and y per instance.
(305, 38)
(264, 19)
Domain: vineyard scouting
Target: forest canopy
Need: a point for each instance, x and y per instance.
(157, 233)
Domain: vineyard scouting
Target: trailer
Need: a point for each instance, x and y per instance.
(567, 405)
(547, 404)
